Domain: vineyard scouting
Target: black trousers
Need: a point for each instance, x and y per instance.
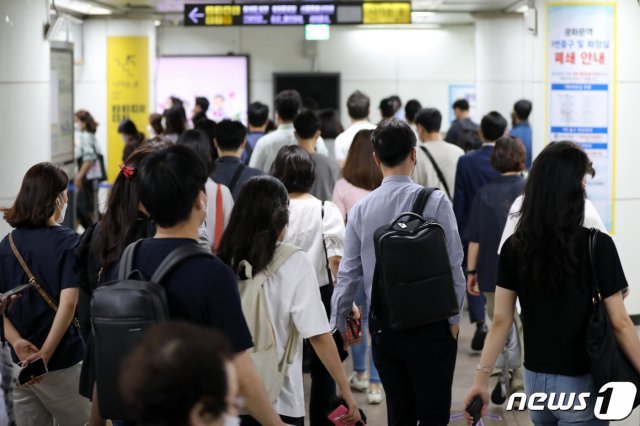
(86, 203)
(250, 421)
(323, 388)
(416, 368)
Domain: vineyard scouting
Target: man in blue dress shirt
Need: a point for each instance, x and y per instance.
(521, 128)
(416, 365)
(474, 170)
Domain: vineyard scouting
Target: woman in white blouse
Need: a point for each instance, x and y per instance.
(317, 228)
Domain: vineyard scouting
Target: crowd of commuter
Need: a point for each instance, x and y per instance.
(265, 241)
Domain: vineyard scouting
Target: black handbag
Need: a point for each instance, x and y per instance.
(608, 363)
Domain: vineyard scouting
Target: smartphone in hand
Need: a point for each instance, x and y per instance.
(475, 409)
(34, 369)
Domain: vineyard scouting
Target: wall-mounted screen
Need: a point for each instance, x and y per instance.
(318, 90)
(223, 80)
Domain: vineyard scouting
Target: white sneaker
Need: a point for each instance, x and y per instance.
(359, 384)
(374, 396)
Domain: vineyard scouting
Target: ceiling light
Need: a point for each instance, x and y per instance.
(83, 7)
(522, 9)
(157, 22)
(423, 14)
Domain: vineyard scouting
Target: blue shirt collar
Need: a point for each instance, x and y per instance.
(400, 179)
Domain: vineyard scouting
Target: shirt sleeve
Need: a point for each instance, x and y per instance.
(472, 230)
(307, 310)
(340, 148)
(512, 221)
(444, 216)
(225, 310)
(349, 274)
(321, 147)
(68, 263)
(333, 230)
(592, 218)
(608, 267)
(459, 193)
(506, 277)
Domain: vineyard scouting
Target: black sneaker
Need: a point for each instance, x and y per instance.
(477, 343)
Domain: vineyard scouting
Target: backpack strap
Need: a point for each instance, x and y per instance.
(324, 244)
(595, 284)
(126, 262)
(441, 178)
(183, 252)
(421, 201)
(236, 176)
(283, 252)
(249, 150)
(219, 225)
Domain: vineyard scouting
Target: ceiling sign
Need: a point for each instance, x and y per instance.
(215, 15)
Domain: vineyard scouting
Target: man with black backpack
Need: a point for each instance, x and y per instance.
(171, 276)
(403, 241)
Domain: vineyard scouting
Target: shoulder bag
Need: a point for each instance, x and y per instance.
(608, 363)
(34, 282)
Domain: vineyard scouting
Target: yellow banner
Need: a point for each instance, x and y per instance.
(127, 92)
(386, 13)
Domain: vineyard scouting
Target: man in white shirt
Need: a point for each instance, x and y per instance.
(445, 155)
(287, 105)
(359, 107)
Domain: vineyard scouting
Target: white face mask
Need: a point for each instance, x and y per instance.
(63, 212)
(230, 420)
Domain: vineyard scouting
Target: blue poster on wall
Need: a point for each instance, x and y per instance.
(581, 91)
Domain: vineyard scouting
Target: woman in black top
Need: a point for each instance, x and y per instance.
(102, 244)
(546, 265)
(39, 325)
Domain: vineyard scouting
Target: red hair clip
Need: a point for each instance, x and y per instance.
(127, 171)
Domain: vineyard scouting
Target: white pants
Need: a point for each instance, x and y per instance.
(55, 399)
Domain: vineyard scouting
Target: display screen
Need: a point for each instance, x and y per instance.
(297, 14)
(223, 80)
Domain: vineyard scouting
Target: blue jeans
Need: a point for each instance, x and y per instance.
(359, 352)
(548, 383)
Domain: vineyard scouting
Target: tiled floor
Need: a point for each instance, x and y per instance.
(465, 370)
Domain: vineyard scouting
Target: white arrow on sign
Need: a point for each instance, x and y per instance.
(194, 15)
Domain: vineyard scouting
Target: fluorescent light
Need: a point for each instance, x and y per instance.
(83, 7)
(422, 14)
(317, 32)
(157, 22)
(522, 9)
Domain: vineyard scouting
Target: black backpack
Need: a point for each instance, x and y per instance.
(121, 312)
(412, 282)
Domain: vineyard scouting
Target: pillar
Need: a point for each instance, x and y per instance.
(24, 93)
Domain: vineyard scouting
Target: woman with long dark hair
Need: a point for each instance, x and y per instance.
(102, 245)
(40, 326)
(256, 229)
(360, 176)
(546, 265)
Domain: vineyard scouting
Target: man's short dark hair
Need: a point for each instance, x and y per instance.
(169, 183)
(288, 104)
(358, 105)
(393, 140)
(430, 119)
(522, 108)
(387, 108)
(230, 135)
(294, 167)
(258, 114)
(493, 126)
(203, 103)
(461, 104)
(411, 108)
(306, 124)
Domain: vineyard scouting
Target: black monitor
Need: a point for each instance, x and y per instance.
(318, 90)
